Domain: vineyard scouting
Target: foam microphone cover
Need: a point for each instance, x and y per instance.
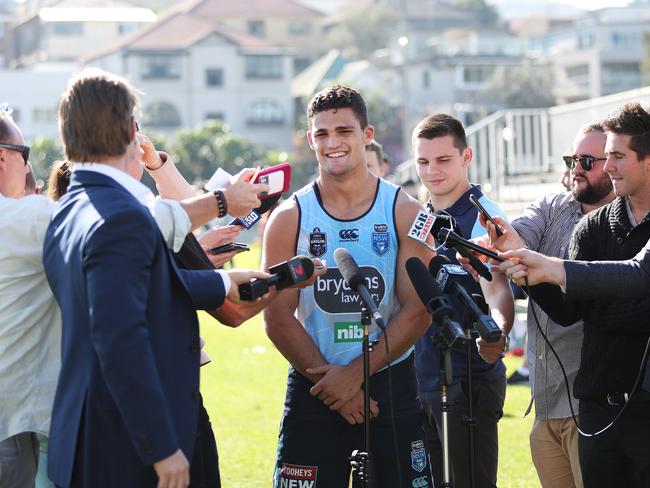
(423, 282)
(348, 267)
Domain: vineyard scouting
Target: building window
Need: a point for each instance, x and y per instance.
(161, 66)
(298, 28)
(263, 67)
(625, 40)
(214, 77)
(265, 112)
(215, 116)
(44, 115)
(161, 114)
(477, 74)
(67, 29)
(257, 28)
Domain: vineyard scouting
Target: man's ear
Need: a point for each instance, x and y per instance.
(468, 154)
(368, 134)
(309, 140)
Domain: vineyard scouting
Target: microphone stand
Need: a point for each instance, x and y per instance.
(446, 378)
(361, 461)
(471, 420)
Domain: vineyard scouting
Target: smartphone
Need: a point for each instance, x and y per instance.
(277, 177)
(231, 246)
(450, 239)
(486, 215)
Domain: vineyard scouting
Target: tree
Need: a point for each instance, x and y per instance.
(43, 153)
(525, 86)
(486, 15)
(362, 30)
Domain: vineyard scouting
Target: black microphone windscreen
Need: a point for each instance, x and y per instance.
(348, 268)
(424, 284)
(437, 262)
(305, 269)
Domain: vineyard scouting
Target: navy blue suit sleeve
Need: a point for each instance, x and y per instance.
(118, 259)
(609, 279)
(205, 287)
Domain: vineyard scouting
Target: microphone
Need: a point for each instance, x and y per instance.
(426, 223)
(435, 302)
(452, 240)
(255, 215)
(355, 280)
(283, 275)
(448, 276)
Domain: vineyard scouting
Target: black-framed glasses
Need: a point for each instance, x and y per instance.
(586, 161)
(24, 150)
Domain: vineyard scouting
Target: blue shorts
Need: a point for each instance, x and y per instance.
(315, 443)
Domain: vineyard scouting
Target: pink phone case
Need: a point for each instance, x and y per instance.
(286, 170)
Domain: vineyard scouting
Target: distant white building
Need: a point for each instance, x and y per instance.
(599, 55)
(67, 31)
(192, 69)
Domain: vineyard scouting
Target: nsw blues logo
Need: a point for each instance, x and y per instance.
(418, 456)
(380, 239)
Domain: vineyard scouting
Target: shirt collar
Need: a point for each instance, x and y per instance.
(130, 184)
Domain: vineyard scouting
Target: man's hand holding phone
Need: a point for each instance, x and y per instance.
(242, 196)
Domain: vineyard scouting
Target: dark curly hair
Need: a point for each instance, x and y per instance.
(631, 120)
(338, 96)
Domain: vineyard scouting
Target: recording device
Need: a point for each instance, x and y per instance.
(277, 177)
(448, 276)
(450, 239)
(433, 299)
(355, 280)
(255, 215)
(486, 215)
(283, 275)
(230, 246)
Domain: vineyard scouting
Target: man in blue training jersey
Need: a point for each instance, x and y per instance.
(318, 329)
(442, 158)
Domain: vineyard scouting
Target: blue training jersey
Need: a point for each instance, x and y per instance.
(329, 310)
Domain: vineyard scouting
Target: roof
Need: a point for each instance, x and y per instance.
(328, 67)
(178, 30)
(252, 8)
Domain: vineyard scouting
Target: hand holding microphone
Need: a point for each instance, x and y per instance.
(288, 273)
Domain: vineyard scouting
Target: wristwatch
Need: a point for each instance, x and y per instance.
(506, 344)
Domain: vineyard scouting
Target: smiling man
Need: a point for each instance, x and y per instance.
(318, 329)
(615, 331)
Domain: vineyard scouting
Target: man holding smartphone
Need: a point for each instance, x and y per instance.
(442, 159)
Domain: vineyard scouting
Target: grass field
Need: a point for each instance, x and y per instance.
(243, 389)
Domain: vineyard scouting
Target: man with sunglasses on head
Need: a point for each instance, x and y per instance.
(546, 226)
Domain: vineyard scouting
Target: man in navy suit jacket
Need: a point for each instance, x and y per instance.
(125, 411)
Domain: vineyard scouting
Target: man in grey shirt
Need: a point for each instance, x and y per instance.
(546, 226)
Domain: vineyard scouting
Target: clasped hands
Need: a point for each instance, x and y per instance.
(340, 389)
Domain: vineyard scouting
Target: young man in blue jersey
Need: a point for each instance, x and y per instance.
(442, 158)
(319, 330)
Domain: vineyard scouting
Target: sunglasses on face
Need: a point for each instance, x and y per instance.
(587, 162)
(24, 150)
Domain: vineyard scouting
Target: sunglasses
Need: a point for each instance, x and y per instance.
(24, 150)
(586, 161)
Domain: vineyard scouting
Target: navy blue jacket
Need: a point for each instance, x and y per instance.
(127, 395)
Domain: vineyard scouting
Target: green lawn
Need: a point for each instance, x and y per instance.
(243, 389)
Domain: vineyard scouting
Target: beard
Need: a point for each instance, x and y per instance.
(592, 193)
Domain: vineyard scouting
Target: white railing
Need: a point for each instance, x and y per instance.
(513, 143)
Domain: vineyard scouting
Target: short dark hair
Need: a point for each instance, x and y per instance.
(6, 123)
(440, 125)
(375, 147)
(593, 126)
(338, 96)
(631, 120)
(95, 116)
